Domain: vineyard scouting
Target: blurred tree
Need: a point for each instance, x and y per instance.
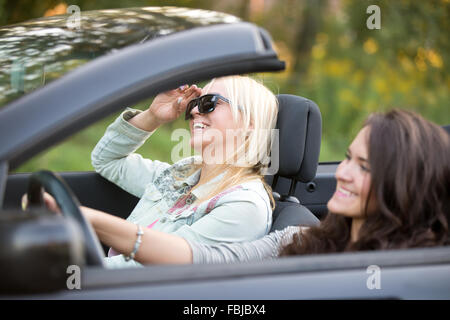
(305, 34)
(13, 11)
(414, 29)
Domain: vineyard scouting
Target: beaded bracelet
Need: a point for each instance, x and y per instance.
(139, 233)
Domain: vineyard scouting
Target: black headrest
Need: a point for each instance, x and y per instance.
(300, 132)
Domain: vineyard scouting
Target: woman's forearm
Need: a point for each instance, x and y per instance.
(145, 121)
(156, 247)
(267, 247)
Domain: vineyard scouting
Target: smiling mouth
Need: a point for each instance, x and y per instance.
(344, 193)
(199, 126)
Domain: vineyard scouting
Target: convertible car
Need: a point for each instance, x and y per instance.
(57, 78)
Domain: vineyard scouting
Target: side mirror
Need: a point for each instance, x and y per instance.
(36, 248)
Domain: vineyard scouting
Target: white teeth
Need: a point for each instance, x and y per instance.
(345, 192)
(198, 125)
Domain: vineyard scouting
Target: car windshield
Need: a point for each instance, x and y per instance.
(34, 53)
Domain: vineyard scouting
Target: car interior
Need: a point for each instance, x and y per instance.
(300, 127)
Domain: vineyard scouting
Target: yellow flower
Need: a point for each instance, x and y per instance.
(370, 46)
(406, 63)
(434, 58)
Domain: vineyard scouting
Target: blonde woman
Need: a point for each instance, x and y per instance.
(219, 196)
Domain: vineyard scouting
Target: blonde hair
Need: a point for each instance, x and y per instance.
(256, 107)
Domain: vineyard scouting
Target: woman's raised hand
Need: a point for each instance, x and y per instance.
(166, 107)
(169, 105)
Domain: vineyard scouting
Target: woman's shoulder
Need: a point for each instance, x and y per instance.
(250, 193)
(255, 186)
(243, 205)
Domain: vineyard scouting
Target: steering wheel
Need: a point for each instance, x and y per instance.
(70, 208)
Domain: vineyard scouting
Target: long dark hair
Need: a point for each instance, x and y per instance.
(409, 161)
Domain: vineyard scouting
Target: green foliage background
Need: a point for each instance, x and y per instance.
(332, 58)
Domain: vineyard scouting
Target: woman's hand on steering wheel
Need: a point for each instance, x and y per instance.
(62, 200)
(49, 201)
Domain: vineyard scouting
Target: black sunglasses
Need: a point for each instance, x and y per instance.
(206, 104)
